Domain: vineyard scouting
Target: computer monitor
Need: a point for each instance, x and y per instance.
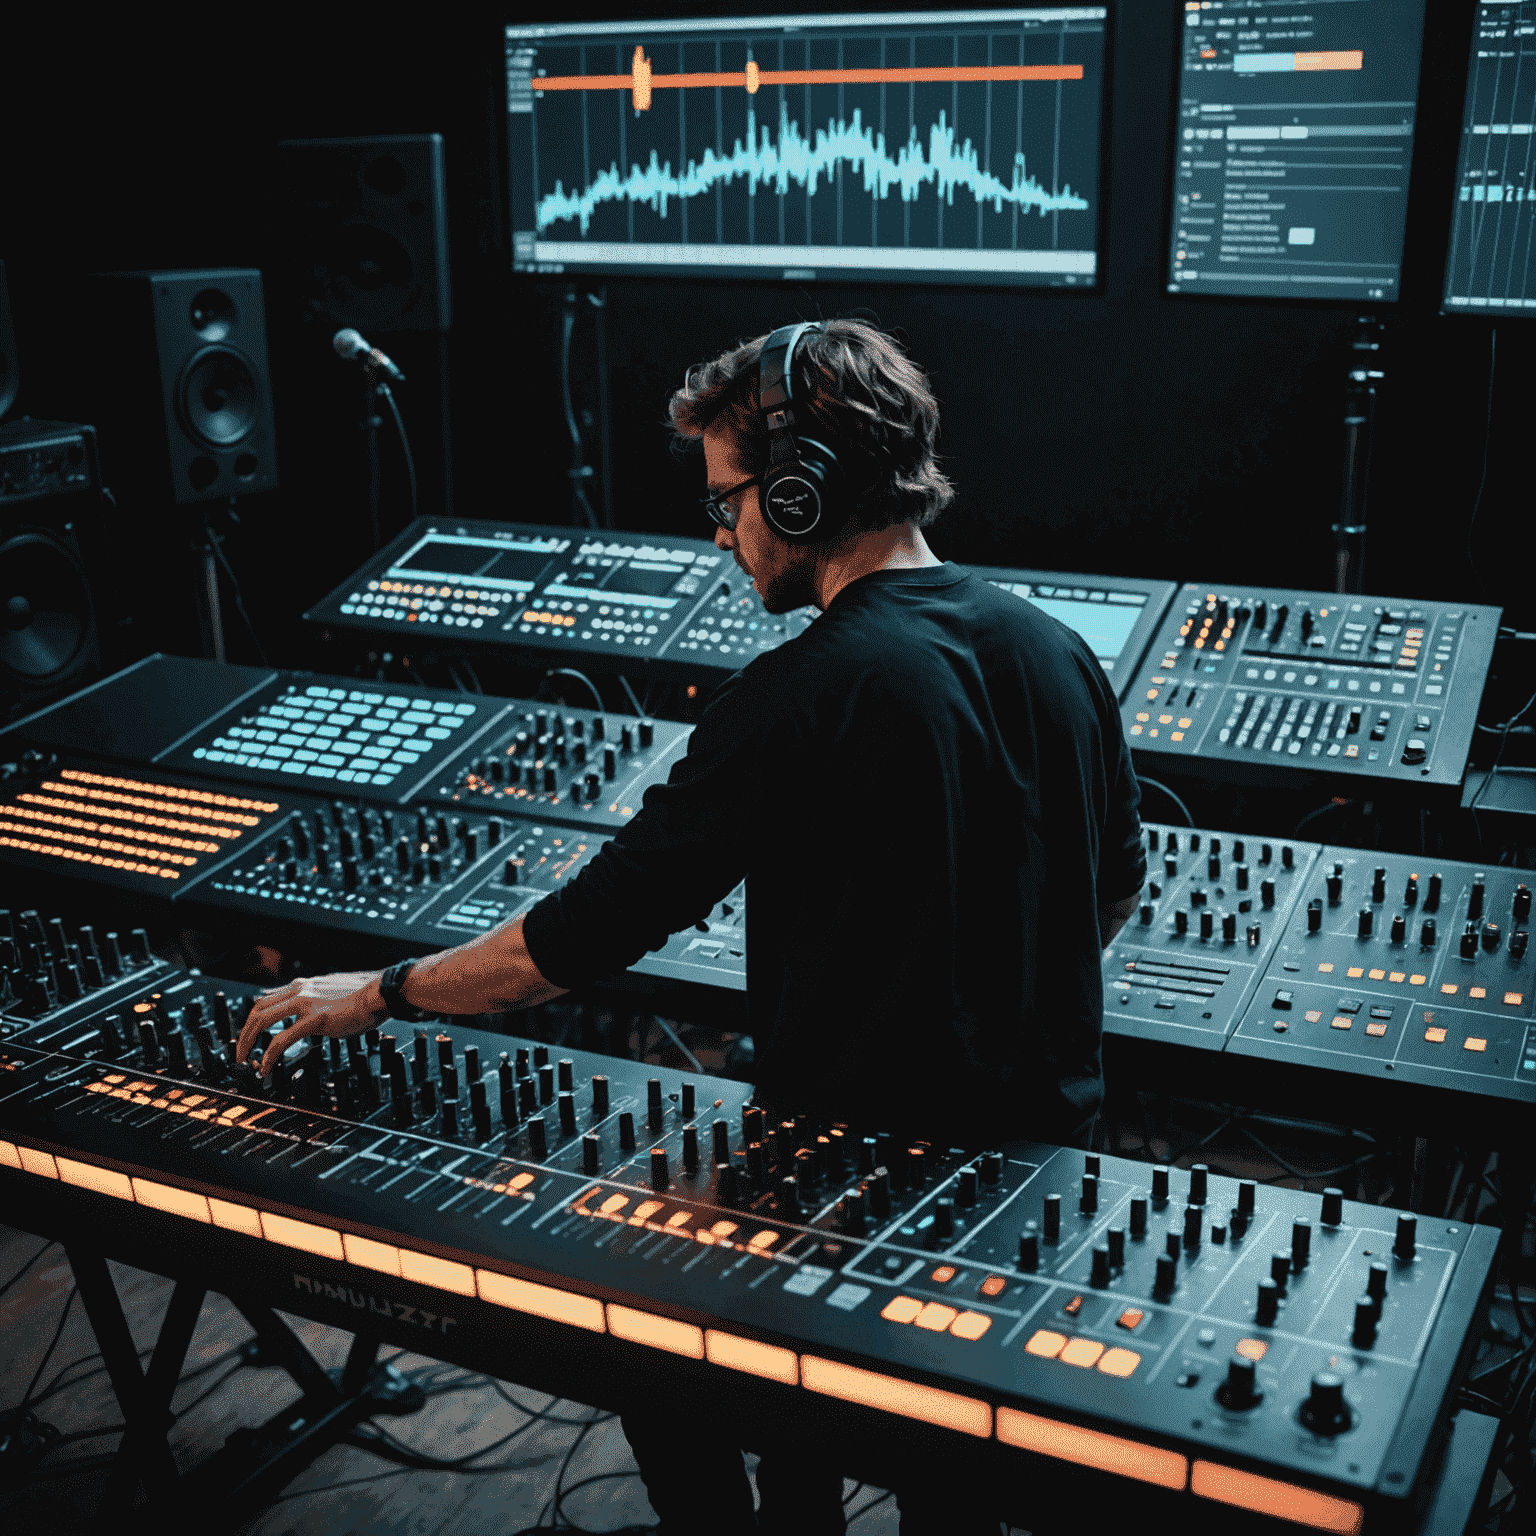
(1292, 145)
(933, 147)
(1489, 267)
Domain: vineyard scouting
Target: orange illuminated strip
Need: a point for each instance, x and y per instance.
(367, 1254)
(98, 797)
(10, 1156)
(164, 1197)
(541, 1301)
(767, 1360)
(171, 791)
(171, 823)
(301, 1234)
(642, 82)
(659, 1332)
(103, 1180)
(81, 824)
(1091, 1448)
(33, 1161)
(445, 1274)
(29, 845)
(1268, 1496)
(910, 1399)
(1347, 58)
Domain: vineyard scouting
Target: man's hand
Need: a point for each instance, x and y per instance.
(345, 1003)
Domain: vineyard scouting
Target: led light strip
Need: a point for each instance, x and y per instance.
(851, 1384)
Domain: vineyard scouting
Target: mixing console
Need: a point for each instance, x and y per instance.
(621, 599)
(566, 765)
(1212, 911)
(1116, 615)
(1405, 974)
(1273, 685)
(1180, 1331)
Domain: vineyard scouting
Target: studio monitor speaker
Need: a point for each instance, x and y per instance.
(367, 230)
(180, 388)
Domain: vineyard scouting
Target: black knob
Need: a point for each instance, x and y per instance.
(567, 1105)
(653, 1110)
(1432, 896)
(720, 1146)
(1254, 935)
(599, 1096)
(1269, 1303)
(1333, 1206)
(944, 1219)
(1365, 1323)
(1090, 1198)
(691, 1148)
(1172, 1240)
(1147, 912)
(789, 1197)
(1207, 922)
(1194, 1219)
(1199, 1176)
(1098, 1276)
(1266, 853)
(1241, 1388)
(1427, 933)
(450, 1117)
(1029, 1251)
(1469, 942)
(966, 1188)
(1280, 1268)
(1411, 892)
(1404, 1245)
(727, 1191)
(1167, 1276)
(221, 1016)
(546, 1084)
(1399, 928)
(591, 1152)
(660, 1178)
(1052, 1218)
(1266, 893)
(1367, 918)
(400, 1091)
(1325, 1412)
(1475, 899)
(1213, 867)
(1139, 1216)
(1114, 1240)
(1181, 922)
(880, 1192)
(626, 1131)
(1240, 876)
(1520, 912)
(426, 1096)
(1315, 915)
(1517, 942)
(1160, 1182)
(1376, 1282)
(1171, 867)
(1229, 927)
(111, 1034)
(112, 961)
(991, 1167)
(1491, 936)
(508, 1103)
(1301, 1244)
(610, 764)
(538, 1142)
(1379, 884)
(1336, 885)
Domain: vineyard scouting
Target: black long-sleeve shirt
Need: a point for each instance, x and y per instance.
(930, 796)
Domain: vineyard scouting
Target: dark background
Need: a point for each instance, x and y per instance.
(1122, 431)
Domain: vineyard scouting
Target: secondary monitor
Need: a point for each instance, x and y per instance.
(934, 146)
(1293, 140)
(1489, 265)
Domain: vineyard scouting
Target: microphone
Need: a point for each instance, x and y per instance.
(349, 344)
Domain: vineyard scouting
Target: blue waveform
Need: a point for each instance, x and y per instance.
(796, 159)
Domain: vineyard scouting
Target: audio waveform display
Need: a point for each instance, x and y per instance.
(949, 147)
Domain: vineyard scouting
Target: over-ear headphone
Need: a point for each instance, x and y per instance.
(803, 493)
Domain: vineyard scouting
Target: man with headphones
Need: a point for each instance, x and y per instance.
(931, 798)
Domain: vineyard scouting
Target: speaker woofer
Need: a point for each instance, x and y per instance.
(217, 398)
(45, 608)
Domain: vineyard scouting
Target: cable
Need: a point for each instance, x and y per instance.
(1189, 820)
(24, 1268)
(580, 677)
(216, 544)
(405, 446)
(624, 681)
(58, 1333)
(1322, 810)
(578, 472)
(1493, 358)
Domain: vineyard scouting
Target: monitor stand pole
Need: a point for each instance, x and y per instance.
(1360, 387)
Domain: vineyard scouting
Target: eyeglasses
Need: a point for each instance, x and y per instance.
(715, 506)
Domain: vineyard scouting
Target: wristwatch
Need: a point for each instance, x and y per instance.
(395, 1004)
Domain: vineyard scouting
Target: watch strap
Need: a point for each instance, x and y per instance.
(390, 985)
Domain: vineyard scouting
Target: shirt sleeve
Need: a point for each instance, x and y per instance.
(1122, 859)
(687, 847)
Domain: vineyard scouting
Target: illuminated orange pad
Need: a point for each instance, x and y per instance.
(1252, 1349)
(1344, 58)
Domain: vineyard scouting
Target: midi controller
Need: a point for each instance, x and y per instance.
(1116, 615)
(1271, 686)
(1401, 978)
(581, 1222)
(621, 600)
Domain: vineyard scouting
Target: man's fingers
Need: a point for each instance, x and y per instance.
(280, 1043)
(266, 1011)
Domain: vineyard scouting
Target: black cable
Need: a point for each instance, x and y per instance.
(24, 1268)
(405, 446)
(1322, 810)
(580, 677)
(1493, 358)
(1498, 758)
(58, 1333)
(578, 472)
(624, 683)
(216, 543)
(474, 676)
(1189, 820)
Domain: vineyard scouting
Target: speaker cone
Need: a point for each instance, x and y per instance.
(45, 608)
(217, 397)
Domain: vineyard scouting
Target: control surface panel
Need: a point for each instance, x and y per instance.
(1270, 685)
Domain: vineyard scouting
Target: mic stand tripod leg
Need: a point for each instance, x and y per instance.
(209, 611)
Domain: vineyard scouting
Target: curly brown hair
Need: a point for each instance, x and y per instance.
(861, 390)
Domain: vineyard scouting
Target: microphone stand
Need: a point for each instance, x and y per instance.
(1360, 388)
(370, 425)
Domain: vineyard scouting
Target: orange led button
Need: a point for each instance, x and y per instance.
(1252, 1349)
(970, 1325)
(1082, 1352)
(993, 1285)
(943, 1274)
(1046, 1344)
(1119, 1362)
(1435, 1036)
(1475, 1043)
(935, 1317)
(901, 1309)
(1130, 1318)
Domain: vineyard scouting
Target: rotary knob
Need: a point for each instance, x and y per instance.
(1099, 1274)
(1366, 922)
(1379, 884)
(1052, 1218)
(1427, 933)
(1404, 1245)
(1432, 896)
(1411, 892)
(660, 1177)
(1521, 911)
(1268, 1304)
(1333, 1207)
(1199, 1177)
(1315, 915)
(1399, 928)
(1366, 1314)
(1475, 899)
(591, 1152)
(1325, 1412)
(1240, 1391)
(1167, 1276)
(1336, 885)
(1267, 893)
(1029, 1250)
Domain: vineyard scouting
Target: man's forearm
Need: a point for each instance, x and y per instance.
(491, 973)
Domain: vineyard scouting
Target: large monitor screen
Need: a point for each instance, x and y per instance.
(1293, 142)
(940, 146)
(1489, 263)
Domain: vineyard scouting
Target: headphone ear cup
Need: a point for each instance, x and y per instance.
(803, 501)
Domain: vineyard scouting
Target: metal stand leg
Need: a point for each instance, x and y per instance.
(209, 609)
(144, 1454)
